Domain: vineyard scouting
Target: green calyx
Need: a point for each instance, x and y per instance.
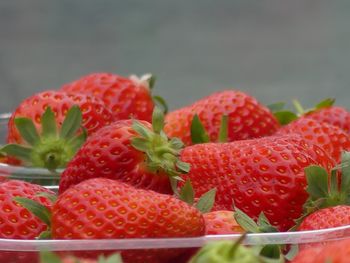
(50, 257)
(162, 153)
(327, 190)
(263, 225)
(200, 135)
(52, 148)
(204, 204)
(285, 116)
(231, 252)
(39, 210)
(248, 224)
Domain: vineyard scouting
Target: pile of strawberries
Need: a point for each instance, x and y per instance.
(225, 164)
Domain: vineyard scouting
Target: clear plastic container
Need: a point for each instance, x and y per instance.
(33, 175)
(26, 251)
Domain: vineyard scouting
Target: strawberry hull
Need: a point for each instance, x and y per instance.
(39, 176)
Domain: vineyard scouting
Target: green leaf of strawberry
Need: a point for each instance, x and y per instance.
(198, 132)
(325, 103)
(43, 213)
(200, 135)
(27, 130)
(206, 201)
(261, 226)
(186, 193)
(327, 190)
(284, 116)
(317, 178)
(50, 149)
(162, 153)
(223, 132)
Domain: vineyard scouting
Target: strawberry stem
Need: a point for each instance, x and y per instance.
(299, 108)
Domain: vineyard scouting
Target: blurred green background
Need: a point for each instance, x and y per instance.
(275, 50)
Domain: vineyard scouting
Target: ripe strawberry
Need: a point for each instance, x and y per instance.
(16, 222)
(124, 97)
(324, 111)
(45, 113)
(130, 151)
(101, 208)
(335, 115)
(247, 118)
(327, 218)
(331, 138)
(221, 222)
(336, 252)
(328, 204)
(94, 113)
(260, 175)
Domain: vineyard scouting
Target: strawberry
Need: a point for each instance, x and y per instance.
(101, 208)
(336, 252)
(335, 115)
(94, 114)
(247, 118)
(45, 126)
(328, 204)
(16, 222)
(124, 97)
(258, 175)
(326, 218)
(324, 111)
(331, 138)
(221, 222)
(131, 151)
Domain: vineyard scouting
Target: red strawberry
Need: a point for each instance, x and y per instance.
(125, 97)
(247, 118)
(130, 151)
(331, 138)
(16, 222)
(337, 252)
(101, 208)
(324, 111)
(260, 175)
(335, 115)
(40, 122)
(221, 222)
(94, 113)
(327, 218)
(328, 204)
